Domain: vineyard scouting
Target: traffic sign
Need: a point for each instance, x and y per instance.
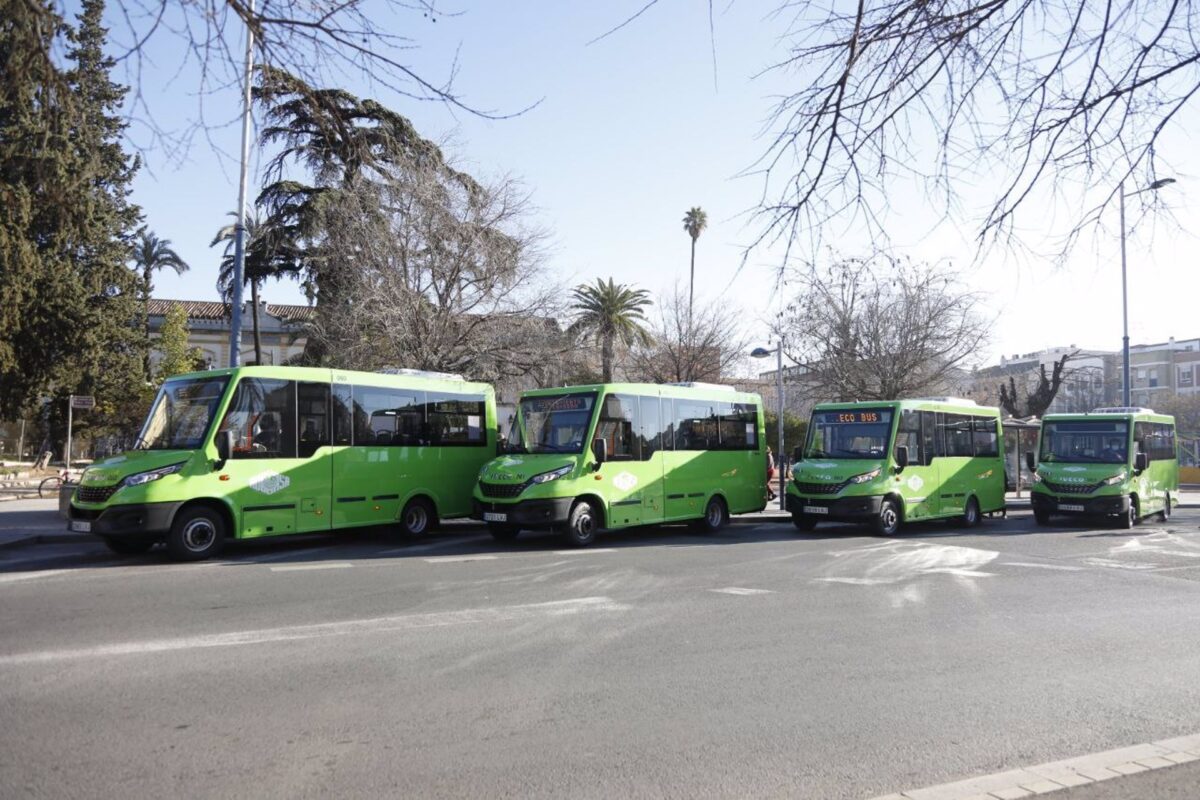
(83, 401)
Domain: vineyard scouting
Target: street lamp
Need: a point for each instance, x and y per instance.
(762, 352)
(1158, 184)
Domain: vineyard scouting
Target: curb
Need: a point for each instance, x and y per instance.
(48, 538)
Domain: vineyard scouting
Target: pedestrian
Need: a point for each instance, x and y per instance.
(771, 495)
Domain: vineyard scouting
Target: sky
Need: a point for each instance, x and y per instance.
(631, 131)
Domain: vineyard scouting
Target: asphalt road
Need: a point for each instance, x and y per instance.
(661, 663)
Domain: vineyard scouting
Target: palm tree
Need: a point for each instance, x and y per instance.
(151, 254)
(609, 312)
(694, 222)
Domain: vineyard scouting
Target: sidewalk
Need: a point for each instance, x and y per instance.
(35, 521)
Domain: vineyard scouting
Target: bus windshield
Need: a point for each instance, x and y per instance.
(181, 414)
(852, 433)
(1085, 441)
(553, 423)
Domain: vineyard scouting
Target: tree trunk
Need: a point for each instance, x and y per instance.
(146, 309)
(692, 284)
(254, 316)
(606, 357)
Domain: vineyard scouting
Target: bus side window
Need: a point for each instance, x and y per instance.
(650, 437)
(909, 435)
(618, 421)
(262, 418)
(930, 441)
(343, 420)
(1142, 440)
(667, 421)
(312, 418)
(986, 440)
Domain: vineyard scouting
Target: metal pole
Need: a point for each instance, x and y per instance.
(779, 423)
(1124, 305)
(70, 413)
(239, 247)
(21, 441)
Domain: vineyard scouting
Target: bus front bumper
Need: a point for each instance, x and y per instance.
(134, 521)
(1053, 504)
(842, 509)
(526, 513)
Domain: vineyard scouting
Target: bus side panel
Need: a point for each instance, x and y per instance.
(369, 482)
(454, 474)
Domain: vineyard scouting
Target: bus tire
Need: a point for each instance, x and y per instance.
(417, 518)
(198, 532)
(1130, 518)
(971, 516)
(503, 533)
(582, 524)
(804, 522)
(715, 516)
(888, 521)
(128, 547)
(1041, 517)
(1165, 514)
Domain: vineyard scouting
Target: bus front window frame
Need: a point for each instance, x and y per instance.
(160, 415)
(1053, 440)
(521, 433)
(886, 422)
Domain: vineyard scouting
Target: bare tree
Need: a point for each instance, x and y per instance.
(880, 328)
(683, 346)
(436, 274)
(1039, 397)
(1022, 98)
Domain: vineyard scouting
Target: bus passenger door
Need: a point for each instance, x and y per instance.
(653, 459)
(918, 483)
(313, 472)
(623, 476)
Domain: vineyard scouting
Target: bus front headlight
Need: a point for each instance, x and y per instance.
(152, 475)
(866, 477)
(1114, 480)
(552, 475)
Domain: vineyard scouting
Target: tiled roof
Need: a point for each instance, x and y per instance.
(207, 309)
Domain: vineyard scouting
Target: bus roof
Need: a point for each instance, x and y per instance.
(1127, 414)
(705, 390)
(391, 378)
(951, 404)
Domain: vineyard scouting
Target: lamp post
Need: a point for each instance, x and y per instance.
(762, 352)
(1158, 184)
(239, 236)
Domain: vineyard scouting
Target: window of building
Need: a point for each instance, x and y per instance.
(262, 418)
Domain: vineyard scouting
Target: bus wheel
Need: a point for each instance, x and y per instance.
(417, 517)
(715, 516)
(1130, 517)
(970, 517)
(1041, 517)
(128, 547)
(197, 533)
(804, 522)
(888, 521)
(503, 533)
(582, 524)
(1165, 514)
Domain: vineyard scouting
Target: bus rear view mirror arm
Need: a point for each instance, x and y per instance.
(600, 450)
(901, 457)
(224, 448)
(1030, 461)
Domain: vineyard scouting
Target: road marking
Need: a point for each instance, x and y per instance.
(25, 576)
(401, 622)
(305, 567)
(584, 551)
(1055, 775)
(457, 559)
(425, 548)
(741, 591)
(1042, 566)
(289, 553)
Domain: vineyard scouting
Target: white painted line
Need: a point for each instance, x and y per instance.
(457, 559)
(584, 551)
(741, 591)
(285, 555)
(307, 567)
(13, 577)
(528, 611)
(1050, 777)
(1042, 566)
(425, 548)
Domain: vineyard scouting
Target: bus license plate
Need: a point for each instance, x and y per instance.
(1069, 507)
(491, 516)
(816, 510)
(81, 526)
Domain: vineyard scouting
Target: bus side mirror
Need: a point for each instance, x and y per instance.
(901, 456)
(1141, 461)
(224, 447)
(600, 450)
(797, 454)
(1029, 461)
(501, 445)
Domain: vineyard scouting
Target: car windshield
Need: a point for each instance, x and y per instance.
(553, 423)
(1090, 441)
(181, 414)
(849, 433)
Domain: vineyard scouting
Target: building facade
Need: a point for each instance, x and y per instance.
(281, 329)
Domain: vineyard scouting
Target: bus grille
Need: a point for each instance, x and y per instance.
(820, 488)
(95, 494)
(500, 489)
(1071, 488)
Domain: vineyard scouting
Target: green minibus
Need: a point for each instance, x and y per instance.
(267, 451)
(1116, 462)
(886, 463)
(586, 458)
